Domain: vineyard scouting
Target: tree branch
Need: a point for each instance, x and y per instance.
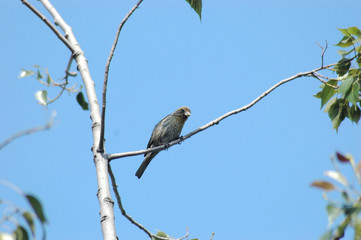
(124, 213)
(219, 119)
(319, 77)
(63, 86)
(50, 25)
(120, 205)
(100, 161)
(323, 51)
(45, 127)
(111, 54)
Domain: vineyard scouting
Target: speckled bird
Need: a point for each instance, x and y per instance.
(167, 130)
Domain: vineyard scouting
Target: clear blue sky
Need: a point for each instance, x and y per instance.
(246, 178)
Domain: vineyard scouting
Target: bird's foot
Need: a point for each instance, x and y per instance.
(181, 139)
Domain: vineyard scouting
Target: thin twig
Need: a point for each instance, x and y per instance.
(212, 236)
(323, 51)
(124, 213)
(217, 120)
(63, 87)
(111, 54)
(48, 125)
(325, 77)
(120, 205)
(50, 25)
(315, 75)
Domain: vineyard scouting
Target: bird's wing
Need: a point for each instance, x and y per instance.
(155, 139)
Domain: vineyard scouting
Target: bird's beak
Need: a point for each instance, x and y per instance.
(187, 113)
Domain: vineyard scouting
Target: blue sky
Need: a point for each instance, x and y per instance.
(246, 178)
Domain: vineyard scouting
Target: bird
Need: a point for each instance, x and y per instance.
(167, 130)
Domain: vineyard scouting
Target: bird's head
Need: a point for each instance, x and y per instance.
(183, 112)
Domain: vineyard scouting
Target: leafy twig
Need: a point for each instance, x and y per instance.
(63, 87)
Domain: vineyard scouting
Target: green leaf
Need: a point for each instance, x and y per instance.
(336, 112)
(197, 6)
(327, 92)
(346, 86)
(81, 100)
(30, 221)
(346, 41)
(48, 78)
(354, 31)
(354, 114)
(42, 97)
(327, 235)
(36, 205)
(26, 73)
(38, 75)
(345, 196)
(21, 233)
(344, 53)
(318, 95)
(353, 97)
(358, 60)
(357, 228)
(160, 234)
(333, 213)
(342, 66)
(329, 104)
(344, 31)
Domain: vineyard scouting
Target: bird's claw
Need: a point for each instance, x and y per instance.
(181, 139)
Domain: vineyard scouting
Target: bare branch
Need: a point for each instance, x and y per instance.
(111, 54)
(323, 51)
(217, 120)
(29, 131)
(124, 213)
(120, 205)
(50, 25)
(319, 77)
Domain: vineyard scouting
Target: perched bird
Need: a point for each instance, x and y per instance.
(167, 130)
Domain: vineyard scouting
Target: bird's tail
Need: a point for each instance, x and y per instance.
(148, 157)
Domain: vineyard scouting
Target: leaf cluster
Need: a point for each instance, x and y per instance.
(21, 221)
(341, 95)
(43, 76)
(349, 203)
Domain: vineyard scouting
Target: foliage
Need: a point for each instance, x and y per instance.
(43, 76)
(197, 6)
(349, 202)
(19, 223)
(341, 95)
